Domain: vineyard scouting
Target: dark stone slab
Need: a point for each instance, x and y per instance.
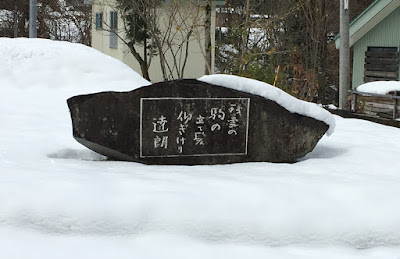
(191, 122)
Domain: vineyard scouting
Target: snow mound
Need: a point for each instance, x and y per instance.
(379, 87)
(60, 200)
(33, 63)
(275, 94)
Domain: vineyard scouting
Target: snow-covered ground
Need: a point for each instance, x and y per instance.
(60, 200)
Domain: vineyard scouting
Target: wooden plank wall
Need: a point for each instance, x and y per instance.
(381, 64)
(377, 106)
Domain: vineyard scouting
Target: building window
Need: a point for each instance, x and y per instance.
(99, 21)
(113, 30)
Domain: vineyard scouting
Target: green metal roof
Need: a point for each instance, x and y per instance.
(359, 16)
(363, 12)
(369, 18)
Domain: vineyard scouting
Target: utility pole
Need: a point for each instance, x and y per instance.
(32, 18)
(344, 56)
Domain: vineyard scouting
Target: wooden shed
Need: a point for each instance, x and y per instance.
(375, 37)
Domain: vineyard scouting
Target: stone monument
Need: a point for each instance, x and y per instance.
(191, 122)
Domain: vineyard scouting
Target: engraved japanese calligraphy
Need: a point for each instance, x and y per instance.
(194, 126)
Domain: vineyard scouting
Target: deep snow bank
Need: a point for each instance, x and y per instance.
(33, 63)
(275, 94)
(57, 200)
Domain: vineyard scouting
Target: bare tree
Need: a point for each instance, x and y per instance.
(77, 17)
(57, 19)
(207, 39)
(288, 42)
(163, 29)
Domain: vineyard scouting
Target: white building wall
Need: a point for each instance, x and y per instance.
(195, 66)
(101, 38)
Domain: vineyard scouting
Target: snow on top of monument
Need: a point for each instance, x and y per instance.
(275, 94)
(33, 63)
(379, 87)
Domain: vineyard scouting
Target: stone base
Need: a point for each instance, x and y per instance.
(189, 122)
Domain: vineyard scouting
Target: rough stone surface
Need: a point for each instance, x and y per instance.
(191, 122)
